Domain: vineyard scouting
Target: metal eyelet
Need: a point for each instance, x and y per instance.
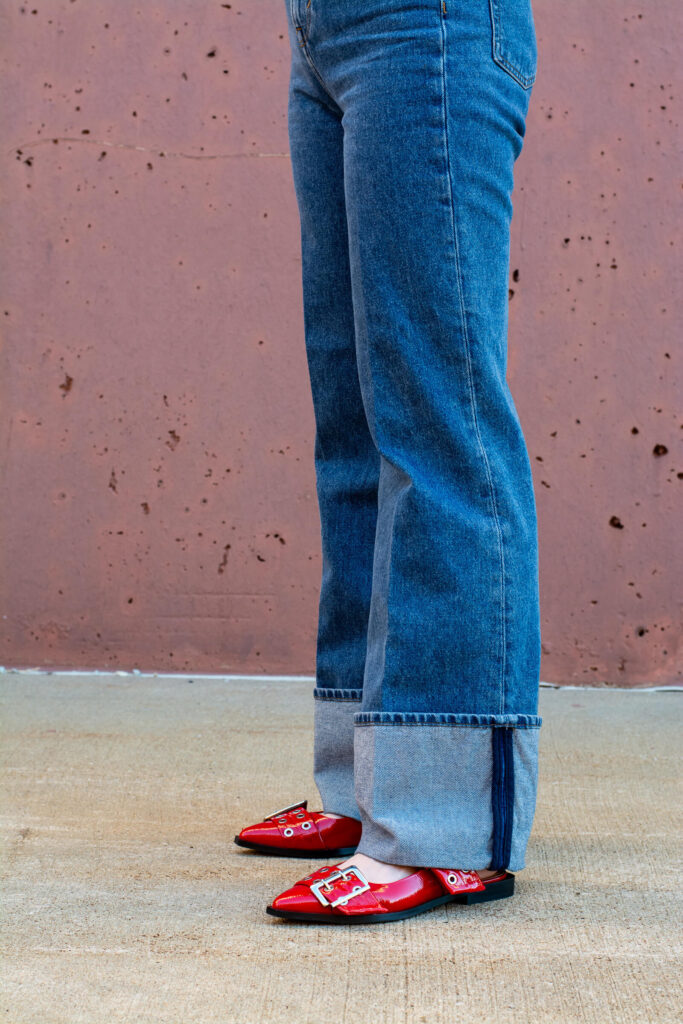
(289, 832)
(306, 825)
(453, 879)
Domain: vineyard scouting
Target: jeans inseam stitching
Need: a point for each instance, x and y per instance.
(389, 558)
(365, 363)
(468, 359)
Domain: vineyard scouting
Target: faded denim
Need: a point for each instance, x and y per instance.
(405, 119)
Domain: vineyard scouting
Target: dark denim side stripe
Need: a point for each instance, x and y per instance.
(502, 796)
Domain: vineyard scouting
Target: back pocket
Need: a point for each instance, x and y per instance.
(514, 39)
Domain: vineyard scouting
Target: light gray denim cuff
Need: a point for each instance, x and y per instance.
(333, 749)
(449, 791)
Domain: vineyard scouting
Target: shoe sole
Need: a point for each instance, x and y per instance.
(274, 851)
(494, 891)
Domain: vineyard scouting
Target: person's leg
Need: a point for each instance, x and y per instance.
(346, 459)
(434, 107)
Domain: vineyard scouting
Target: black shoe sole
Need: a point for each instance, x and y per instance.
(274, 851)
(494, 891)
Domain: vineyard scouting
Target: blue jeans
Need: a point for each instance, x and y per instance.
(405, 119)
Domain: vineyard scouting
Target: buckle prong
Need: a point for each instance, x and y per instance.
(285, 810)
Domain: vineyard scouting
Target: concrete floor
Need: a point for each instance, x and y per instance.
(125, 899)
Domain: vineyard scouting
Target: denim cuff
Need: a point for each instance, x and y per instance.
(434, 718)
(333, 712)
(447, 791)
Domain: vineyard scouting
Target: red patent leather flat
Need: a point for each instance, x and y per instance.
(344, 896)
(296, 832)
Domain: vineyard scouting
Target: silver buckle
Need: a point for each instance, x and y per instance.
(285, 810)
(345, 874)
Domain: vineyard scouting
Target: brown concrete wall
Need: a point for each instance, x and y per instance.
(159, 503)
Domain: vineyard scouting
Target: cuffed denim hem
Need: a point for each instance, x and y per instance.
(448, 791)
(430, 718)
(321, 693)
(333, 749)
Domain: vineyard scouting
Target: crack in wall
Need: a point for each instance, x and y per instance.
(144, 149)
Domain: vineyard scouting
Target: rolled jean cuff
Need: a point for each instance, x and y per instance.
(431, 718)
(443, 790)
(333, 712)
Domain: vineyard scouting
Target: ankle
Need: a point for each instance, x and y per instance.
(377, 871)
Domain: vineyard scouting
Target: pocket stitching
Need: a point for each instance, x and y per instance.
(526, 81)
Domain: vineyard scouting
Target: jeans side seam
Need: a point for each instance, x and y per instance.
(468, 357)
(502, 797)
